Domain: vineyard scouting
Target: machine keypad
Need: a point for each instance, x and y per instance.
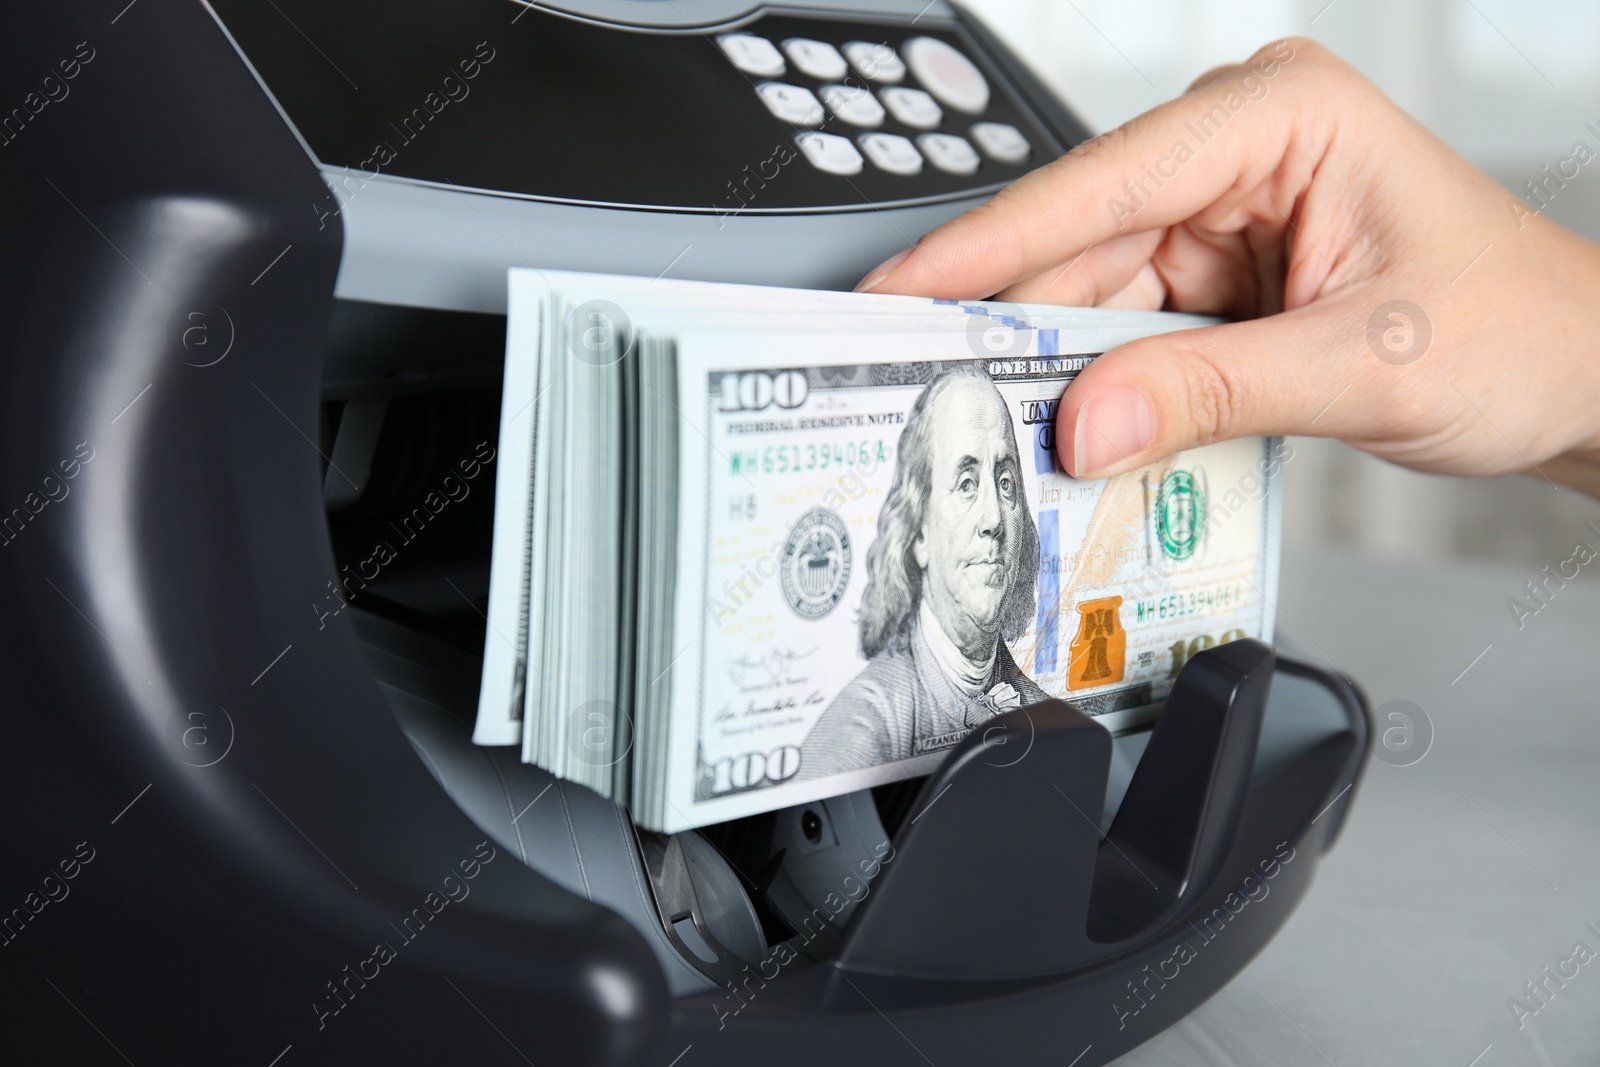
(875, 62)
(854, 104)
(817, 59)
(892, 153)
(829, 152)
(947, 74)
(791, 103)
(859, 87)
(913, 107)
(1001, 142)
(950, 153)
(752, 54)
(671, 117)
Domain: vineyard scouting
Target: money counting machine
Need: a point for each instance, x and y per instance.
(254, 316)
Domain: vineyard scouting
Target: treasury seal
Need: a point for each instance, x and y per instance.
(815, 568)
(1180, 514)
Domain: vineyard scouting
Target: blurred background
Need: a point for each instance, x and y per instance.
(1508, 83)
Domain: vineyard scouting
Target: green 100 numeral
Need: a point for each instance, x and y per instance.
(1182, 651)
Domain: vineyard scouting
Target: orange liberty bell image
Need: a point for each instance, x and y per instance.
(1100, 646)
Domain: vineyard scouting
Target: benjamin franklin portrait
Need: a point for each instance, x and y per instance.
(951, 579)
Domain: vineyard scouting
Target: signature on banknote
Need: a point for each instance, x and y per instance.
(771, 668)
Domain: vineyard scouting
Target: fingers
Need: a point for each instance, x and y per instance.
(1229, 275)
(1119, 183)
(1294, 373)
(1220, 274)
(1212, 75)
(1147, 292)
(1090, 279)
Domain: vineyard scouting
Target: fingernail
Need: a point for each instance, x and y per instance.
(1113, 428)
(882, 271)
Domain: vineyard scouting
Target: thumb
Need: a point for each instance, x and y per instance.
(1292, 373)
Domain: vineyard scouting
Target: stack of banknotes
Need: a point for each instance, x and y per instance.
(757, 546)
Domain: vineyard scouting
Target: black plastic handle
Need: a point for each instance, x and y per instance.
(1010, 826)
(1181, 813)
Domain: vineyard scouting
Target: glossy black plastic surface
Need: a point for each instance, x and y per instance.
(1182, 809)
(559, 108)
(175, 701)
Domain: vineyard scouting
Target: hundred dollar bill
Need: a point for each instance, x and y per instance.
(838, 541)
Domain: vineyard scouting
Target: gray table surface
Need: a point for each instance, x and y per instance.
(1459, 877)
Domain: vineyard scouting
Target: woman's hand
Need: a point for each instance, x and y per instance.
(1396, 297)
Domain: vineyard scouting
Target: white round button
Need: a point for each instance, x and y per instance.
(829, 152)
(951, 154)
(791, 103)
(1001, 143)
(947, 74)
(891, 152)
(875, 62)
(913, 107)
(752, 54)
(854, 104)
(816, 58)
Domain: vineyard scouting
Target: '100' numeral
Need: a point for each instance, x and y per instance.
(759, 390)
(753, 769)
(1182, 650)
